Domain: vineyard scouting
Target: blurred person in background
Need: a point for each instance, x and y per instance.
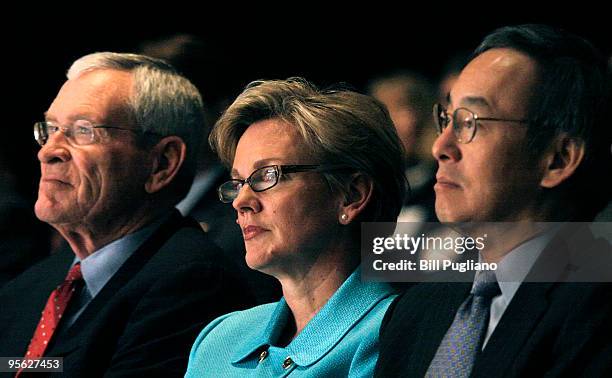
(450, 72)
(409, 98)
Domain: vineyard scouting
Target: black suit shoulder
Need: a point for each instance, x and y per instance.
(181, 292)
(552, 329)
(548, 329)
(412, 325)
(145, 319)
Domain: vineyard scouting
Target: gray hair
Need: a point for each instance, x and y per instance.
(340, 127)
(163, 101)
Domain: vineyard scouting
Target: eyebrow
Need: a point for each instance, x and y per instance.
(75, 117)
(258, 164)
(475, 100)
(47, 116)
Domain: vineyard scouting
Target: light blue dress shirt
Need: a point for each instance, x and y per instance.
(341, 340)
(511, 271)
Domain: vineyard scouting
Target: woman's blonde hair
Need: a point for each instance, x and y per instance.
(340, 127)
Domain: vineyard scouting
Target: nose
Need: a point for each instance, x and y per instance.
(246, 201)
(55, 150)
(446, 147)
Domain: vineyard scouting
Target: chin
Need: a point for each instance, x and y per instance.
(444, 214)
(264, 261)
(453, 217)
(256, 260)
(43, 211)
(47, 213)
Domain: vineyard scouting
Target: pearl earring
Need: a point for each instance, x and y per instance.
(344, 217)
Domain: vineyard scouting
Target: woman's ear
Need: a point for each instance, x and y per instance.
(562, 160)
(359, 193)
(168, 156)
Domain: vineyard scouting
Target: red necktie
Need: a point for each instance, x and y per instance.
(52, 314)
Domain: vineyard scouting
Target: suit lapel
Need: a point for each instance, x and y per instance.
(514, 329)
(72, 337)
(525, 311)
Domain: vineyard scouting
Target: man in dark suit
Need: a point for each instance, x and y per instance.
(118, 150)
(529, 140)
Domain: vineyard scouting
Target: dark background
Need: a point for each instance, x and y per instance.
(322, 47)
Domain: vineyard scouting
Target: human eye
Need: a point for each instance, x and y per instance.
(463, 119)
(51, 127)
(83, 128)
(264, 175)
(263, 178)
(268, 175)
(232, 185)
(467, 123)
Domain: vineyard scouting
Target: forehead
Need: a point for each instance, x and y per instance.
(273, 141)
(392, 92)
(499, 79)
(99, 96)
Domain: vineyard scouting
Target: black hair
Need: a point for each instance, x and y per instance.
(572, 95)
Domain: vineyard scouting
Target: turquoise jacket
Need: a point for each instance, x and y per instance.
(341, 340)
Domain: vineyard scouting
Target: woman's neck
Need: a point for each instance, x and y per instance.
(307, 293)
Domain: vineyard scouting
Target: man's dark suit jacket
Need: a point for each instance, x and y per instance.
(548, 329)
(145, 319)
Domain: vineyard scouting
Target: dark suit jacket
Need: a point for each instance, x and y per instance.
(145, 319)
(549, 328)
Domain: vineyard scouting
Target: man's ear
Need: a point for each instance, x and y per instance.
(167, 157)
(360, 190)
(562, 160)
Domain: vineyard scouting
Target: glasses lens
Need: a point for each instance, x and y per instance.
(440, 117)
(464, 125)
(264, 178)
(82, 132)
(40, 133)
(228, 191)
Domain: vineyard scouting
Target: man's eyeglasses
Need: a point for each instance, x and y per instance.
(262, 179)
(81, 132)
(465, 122)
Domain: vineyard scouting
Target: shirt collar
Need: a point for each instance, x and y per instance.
(513, 267)
(347, 306)
(100, 266)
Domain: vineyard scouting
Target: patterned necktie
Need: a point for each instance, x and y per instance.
(52, 314)
(457, 352)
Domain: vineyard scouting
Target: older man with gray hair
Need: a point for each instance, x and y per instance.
(118, 146)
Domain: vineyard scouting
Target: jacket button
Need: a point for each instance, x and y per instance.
(287, 363)
(263, 355)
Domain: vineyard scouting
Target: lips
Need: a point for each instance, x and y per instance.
(443, 182)
(249, 232)
(55, 180)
